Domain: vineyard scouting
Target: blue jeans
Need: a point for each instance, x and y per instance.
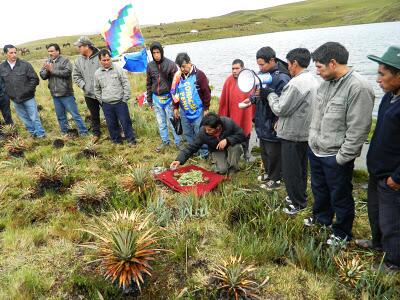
(66, 104)
(163, 115)
(28, 114)
(332, 189)
(191, 129)
(116, 114)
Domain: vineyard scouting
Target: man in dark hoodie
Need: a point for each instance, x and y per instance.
(85, 66)
(160, 73)
(265, 119)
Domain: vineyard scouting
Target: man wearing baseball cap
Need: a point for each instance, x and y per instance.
(85, 66)
(383, 162)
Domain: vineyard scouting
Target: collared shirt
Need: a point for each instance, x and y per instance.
(12, 64)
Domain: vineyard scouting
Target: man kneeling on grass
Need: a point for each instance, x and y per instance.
(112, 89)
(224, 140)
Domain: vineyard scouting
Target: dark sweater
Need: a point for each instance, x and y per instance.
(383, 158)
(230, 131)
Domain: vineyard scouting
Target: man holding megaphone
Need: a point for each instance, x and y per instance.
(273, 76)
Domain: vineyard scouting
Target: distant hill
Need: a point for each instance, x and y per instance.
(301, 15)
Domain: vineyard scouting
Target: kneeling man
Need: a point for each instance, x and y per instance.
(224, 140)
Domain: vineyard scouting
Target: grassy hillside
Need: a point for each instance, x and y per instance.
(302, 15)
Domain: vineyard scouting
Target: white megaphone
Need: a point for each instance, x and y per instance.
(248, 79)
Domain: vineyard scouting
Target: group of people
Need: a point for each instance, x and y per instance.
(105, 85)
(297, 119)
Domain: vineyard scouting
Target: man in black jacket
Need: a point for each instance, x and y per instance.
(383, 162)
(5, 104)
(58, 70)
(20, 82)
(265, 119)
(224, 140)
(160, 73)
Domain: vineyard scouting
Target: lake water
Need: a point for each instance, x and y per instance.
(215, 57)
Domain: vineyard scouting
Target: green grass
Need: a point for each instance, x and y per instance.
(302, 15)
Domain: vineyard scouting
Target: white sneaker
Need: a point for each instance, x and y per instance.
(262, 177)
(271, 185)
(288, 200)
(336, 241)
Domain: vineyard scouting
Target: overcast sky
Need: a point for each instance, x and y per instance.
(27, 20)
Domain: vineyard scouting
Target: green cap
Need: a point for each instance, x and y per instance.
(391, 57)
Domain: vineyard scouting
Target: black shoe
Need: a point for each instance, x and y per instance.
(385, 268)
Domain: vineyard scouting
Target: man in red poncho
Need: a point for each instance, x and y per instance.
(231, 96)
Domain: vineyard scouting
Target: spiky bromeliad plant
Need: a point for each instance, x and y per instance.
(350, 269)
(90, 150)
(50, 173)
(9, 131)
(90, 194)
(16, 146)
(124, 246)
(233, 279)
(137, 180)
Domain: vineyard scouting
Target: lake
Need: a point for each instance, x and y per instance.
(215, 57)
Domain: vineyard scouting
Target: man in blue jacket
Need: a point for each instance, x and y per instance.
(383, 162)
(265, 119)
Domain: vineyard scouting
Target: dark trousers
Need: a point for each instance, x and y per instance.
(271, 158)
(94, 109)
(116, 114)
(332, 190)
(246, 146)
(5, 109)
(294, 171)
(384, 218)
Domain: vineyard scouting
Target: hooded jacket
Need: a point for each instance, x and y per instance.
(20, 82)
(264, 118)
(159, 74)
(84, 70)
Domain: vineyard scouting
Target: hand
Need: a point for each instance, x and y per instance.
(257, 93)
(393, 185)
(205, 112)
(276, 126)
(176, 113)
(48, 67)
(222, 144)
(174, 165)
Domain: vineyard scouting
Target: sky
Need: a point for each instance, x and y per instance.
(28, 20)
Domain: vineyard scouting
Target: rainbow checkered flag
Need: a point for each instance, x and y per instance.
(123, 32)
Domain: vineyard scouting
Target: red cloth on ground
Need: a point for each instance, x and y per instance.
(231, 96)
(167, 177)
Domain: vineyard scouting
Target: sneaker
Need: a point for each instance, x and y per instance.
(292, 210)
(162, 146)
(367, 244)
(263, 177)
(132, 143)
(336, 241)
(309, 222)
(271, 185)
(288, 200)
